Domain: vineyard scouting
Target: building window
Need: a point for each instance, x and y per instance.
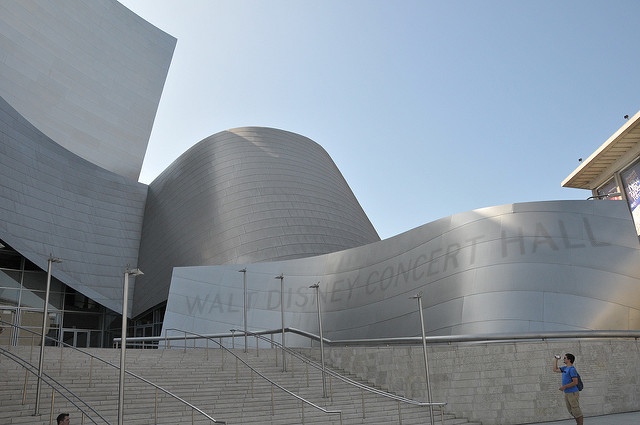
(73, 317)
(631, 184)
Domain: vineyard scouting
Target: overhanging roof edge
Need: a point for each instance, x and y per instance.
(571, 180)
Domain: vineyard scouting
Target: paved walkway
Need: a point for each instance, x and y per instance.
(629, 418)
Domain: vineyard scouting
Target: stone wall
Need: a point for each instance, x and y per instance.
(502, 383)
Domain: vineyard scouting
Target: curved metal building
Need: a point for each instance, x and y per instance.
(54, 202)
(541, 266)
(88, 74)
(245, 195)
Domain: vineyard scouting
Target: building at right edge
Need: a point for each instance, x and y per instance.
(613, 171)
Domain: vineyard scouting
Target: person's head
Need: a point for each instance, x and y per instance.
(63, 419)
(570, 358)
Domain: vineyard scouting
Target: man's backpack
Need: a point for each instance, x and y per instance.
(580, 384)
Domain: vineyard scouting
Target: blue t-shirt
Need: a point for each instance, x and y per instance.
(568, 373)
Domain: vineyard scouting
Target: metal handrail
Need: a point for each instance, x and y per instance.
(447, 339)
(344, 378)
(261, 334)
(301, 399)
(347, 380)
(33, 370)
(167, 392)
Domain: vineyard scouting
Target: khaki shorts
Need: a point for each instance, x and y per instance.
(573, 403)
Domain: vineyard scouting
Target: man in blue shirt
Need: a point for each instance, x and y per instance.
(570, 386)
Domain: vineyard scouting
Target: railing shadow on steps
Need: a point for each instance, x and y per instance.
(143, 342)
(194, 336)
(62, 344)
(55, 387)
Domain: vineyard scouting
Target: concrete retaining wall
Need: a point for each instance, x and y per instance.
(503, 383)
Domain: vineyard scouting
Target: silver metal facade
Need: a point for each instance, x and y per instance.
(87, 73)
(54, 202)
(541, 266)
(246, 195)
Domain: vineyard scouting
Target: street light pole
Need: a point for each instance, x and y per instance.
(324, 384)
(426, 358)
(123, 339)
(281, 277)
(244, 285)
(45, 315)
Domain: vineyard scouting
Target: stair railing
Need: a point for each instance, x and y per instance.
(108, 363)
(302, 400)
(31, 368)
(347, 380)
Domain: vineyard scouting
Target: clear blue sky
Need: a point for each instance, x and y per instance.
(429, 108)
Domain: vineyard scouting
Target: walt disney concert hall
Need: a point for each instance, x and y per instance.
(252, 217)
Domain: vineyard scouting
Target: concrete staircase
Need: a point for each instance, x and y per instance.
(207, 379)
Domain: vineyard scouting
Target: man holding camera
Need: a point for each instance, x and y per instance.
(570, 386)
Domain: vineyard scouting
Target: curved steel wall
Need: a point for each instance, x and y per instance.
(559, 265)
(54, 202)
(246, 195)
(87, 73)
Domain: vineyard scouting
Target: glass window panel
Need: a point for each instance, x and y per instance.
(35, 280)
(82, 339)
(7, 316)
(9, 297)
(31, 323)
(9, 279)
(10, 260)
(68, 337)
(32, 299)
(96, 339)
(74, 300)
(82, 320)
(35, 299)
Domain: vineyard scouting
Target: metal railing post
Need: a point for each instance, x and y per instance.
(284, 345)
(426, 358)
(324, 384)
(45, 317)
(244, 305)
(24, 389)
(53, 400)
(90, 371)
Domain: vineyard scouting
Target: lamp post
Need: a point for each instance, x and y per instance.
(324, 384)
(244, 285)
(281, 277)
(418, 296)
(45, 313)
(123, 339)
